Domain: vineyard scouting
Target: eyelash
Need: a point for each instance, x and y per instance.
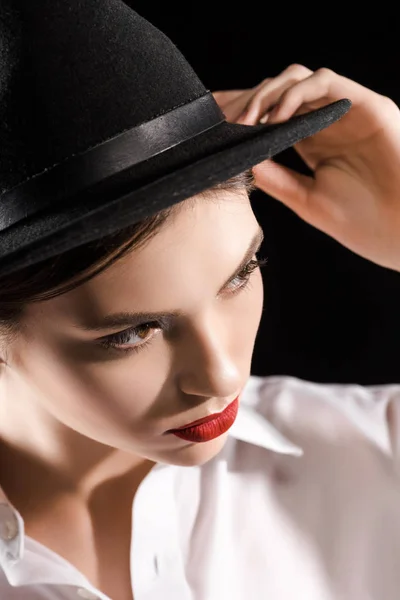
(112, 342)
(245, 274)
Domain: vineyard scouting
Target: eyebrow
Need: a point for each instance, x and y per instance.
(132, 319)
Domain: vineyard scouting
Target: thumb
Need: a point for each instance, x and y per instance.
(289, 187)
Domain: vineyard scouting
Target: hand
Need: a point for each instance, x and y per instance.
(354, 193)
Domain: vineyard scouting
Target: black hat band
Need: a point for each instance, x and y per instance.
(131, 147)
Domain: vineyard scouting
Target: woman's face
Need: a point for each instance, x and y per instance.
(162, 338)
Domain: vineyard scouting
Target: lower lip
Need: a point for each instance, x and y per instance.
(204, 432)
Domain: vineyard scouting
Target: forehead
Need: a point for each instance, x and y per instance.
(202, 242)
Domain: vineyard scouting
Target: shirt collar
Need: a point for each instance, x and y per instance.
(252, 427)
(366, 407)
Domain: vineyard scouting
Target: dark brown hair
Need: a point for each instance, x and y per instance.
(56, 276)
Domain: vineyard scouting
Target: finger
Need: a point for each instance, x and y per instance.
(224, 97)
(289, 187)
(320, 88)
(236, 105)
(269, 93)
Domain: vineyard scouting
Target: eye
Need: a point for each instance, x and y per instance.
(241, 280)
(134, 338)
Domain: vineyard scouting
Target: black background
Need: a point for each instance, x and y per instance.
(329, 315)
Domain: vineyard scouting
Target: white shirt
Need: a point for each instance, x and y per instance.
(263, 519)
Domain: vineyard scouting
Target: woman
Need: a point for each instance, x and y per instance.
(130, 301)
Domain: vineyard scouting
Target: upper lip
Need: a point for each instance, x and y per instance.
(204, 419)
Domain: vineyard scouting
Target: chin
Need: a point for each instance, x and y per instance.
(196, 454)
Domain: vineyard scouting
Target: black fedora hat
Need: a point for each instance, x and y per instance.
(103, 123)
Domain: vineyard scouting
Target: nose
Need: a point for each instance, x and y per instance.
(207, 365)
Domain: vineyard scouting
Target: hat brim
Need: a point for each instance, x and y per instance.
(158, 183)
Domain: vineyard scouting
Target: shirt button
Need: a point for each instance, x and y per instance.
(86, 594)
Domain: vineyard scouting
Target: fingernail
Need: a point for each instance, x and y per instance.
(264, 119)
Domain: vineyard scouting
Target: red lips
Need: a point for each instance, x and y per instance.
(208, 428)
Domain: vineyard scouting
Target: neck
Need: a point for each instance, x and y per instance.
(41, 457)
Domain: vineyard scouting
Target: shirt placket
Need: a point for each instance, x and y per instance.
(157, 563)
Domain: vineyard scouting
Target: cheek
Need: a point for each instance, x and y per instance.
(247, 318)
(257, 299)
(105, 400)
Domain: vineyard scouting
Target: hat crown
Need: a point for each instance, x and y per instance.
(74, 73)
